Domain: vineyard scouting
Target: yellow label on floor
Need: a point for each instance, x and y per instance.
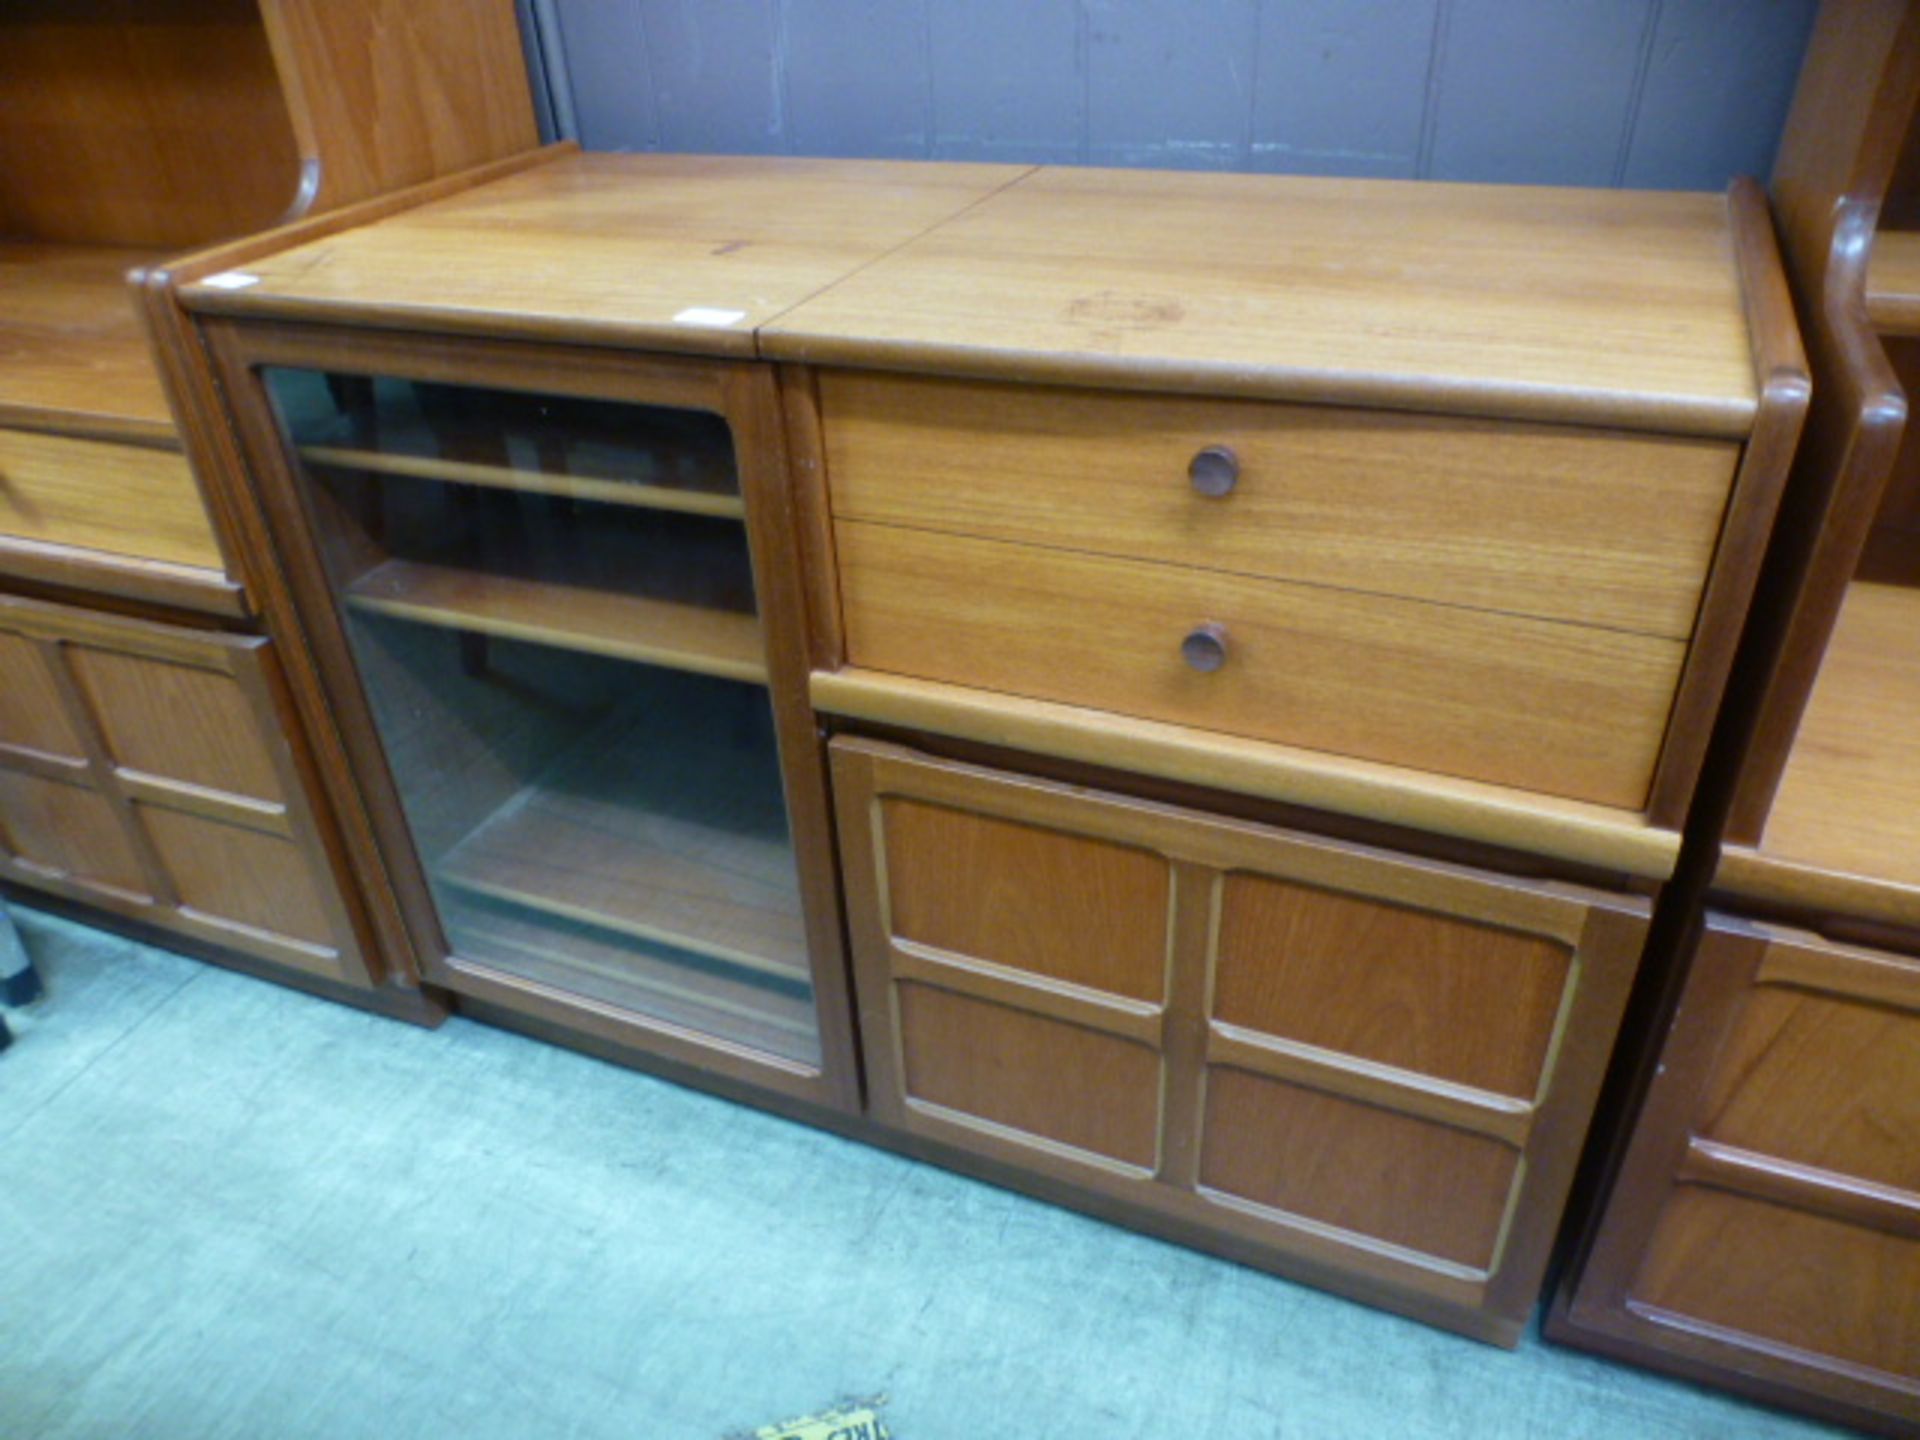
(860, 1424)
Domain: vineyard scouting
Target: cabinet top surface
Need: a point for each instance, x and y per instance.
(1324, 288)
(686, 253)
(72, 353)
(1618, 307)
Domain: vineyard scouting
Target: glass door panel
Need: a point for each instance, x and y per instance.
(551, 605)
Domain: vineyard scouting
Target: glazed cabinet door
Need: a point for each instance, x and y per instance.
(1375, 1069)
(552, 600)
(1767, 1213)
(144, 768)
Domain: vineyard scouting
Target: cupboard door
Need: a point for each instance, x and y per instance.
(145, 768)
(553, 604)
(1766, 1217)
(1376, 1069)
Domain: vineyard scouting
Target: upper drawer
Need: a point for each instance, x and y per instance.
(95, 495)
(1599, 527)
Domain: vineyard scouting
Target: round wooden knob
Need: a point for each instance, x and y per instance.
(1205, 648)
(1214, 471)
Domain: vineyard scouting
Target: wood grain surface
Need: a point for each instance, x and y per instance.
(611, 248)
(99, 495)
(72, 353)
(1595, 527)
(1564, 709)
(1044, 901)
(1844, 829)
(1388, 984)
(1586, 305)
(1195, 1095)
(1893, 282)
(1527, 821)
(388, 93)
(129, 123)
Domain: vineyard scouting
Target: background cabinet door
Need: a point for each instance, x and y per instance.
(144, 768)
(1377, 1070)
(1766, 1217)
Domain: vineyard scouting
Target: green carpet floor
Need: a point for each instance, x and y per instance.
(228, 1210)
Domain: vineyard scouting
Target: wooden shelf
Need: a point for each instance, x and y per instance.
(1845, 826)
(1893, 282)
(72, 353)
(539, 482)
(673, 837)
(598, 621)
(576, 960)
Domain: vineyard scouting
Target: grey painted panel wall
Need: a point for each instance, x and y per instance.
(1590, 92)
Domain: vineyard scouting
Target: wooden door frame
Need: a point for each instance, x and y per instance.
(745, 395)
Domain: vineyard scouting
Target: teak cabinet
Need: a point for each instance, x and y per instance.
(1769, 1208)
(1223, 721)
(1761, 1228)
(1370, 1062)
(130, 130)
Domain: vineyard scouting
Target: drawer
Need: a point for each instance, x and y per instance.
(146, 769)
(1375, 1065)
(95, 495)
(1596, 527)
(1541, 705)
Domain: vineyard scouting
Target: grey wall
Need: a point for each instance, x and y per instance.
(1586, 92)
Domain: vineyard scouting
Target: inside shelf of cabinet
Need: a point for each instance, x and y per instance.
(685, 500)
(1849, 801)
(1893, 282)
(578, 960)
(684, 845)
(72, 354)
(624, 626)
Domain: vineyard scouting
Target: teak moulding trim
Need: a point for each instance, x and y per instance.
(1780, 366)
(1565, 830)
(1838, 476)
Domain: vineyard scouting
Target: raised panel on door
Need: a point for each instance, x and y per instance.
(1430, 1189)
(1768, 1276)
(212, 736)
(60, 830)
(1454, 998)
(1766, 1214)
(33, 718)
(1378, 1066)
(192, 799)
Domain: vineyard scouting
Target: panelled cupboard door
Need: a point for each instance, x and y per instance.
(1375, 1071)
(1766, 1219)
(144, 768)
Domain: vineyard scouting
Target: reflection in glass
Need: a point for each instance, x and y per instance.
(551, 605)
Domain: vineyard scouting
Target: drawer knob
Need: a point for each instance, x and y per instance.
(1205, 648)
(1214, 471)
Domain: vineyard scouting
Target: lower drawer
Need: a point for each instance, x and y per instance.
(1374, 1070)
(145, 769)
(1541, 705)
